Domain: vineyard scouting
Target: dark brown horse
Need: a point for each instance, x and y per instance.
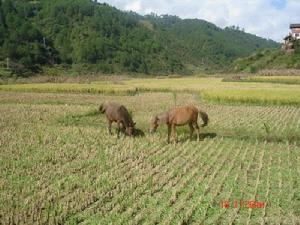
(177, 117)
(119, 114)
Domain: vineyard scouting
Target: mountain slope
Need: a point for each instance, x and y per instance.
(201, 42)
(99, 37)
(269, 59)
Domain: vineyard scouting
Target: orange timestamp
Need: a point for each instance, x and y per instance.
(242, 204)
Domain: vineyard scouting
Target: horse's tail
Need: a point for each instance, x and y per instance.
(101, 108)
(204, 117)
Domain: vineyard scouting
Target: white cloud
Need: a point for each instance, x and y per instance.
(133, 6)
(265, 18)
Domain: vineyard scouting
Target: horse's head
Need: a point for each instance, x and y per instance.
(138, 133)
(130, 129)
(153, 124)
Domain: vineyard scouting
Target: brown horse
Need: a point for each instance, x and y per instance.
(177, 117)
(118, 113)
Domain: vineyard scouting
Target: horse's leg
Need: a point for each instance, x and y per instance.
(169, 132)
(198, 131)
(109, 127)
(119, 128)
(191, 130)
(123, 129)
(174, 133)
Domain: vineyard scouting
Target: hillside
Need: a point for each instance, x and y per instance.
(203, 43)
(89, 36)
(269, 59)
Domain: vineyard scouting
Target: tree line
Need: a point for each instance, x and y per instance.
(34, 34)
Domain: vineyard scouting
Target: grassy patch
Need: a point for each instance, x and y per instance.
(256, 97)
(212, 89)
(58, 164)
(90, 118)
(275, 79)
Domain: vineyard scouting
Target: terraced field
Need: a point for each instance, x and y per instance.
(276, 79)
(211, 89)
(58, 165)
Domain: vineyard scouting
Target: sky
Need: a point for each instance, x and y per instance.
(265, 18)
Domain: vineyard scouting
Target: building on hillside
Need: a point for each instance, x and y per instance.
(295, 30)
(290, 39)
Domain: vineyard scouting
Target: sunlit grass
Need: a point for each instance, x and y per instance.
(211, 89)
(270, 96)
(59, 165)
(275, 79)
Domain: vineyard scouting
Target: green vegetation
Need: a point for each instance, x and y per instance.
(85, 36)
(58, 165)
(268, 59)
(275, 79)
(210, 89)
(258, 96)
(21, 42)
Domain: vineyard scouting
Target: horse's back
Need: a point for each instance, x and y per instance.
(111, 109)
(183, 115)
(117, 112)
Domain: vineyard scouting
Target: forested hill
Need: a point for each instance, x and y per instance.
(274, 59)
(99, 37)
